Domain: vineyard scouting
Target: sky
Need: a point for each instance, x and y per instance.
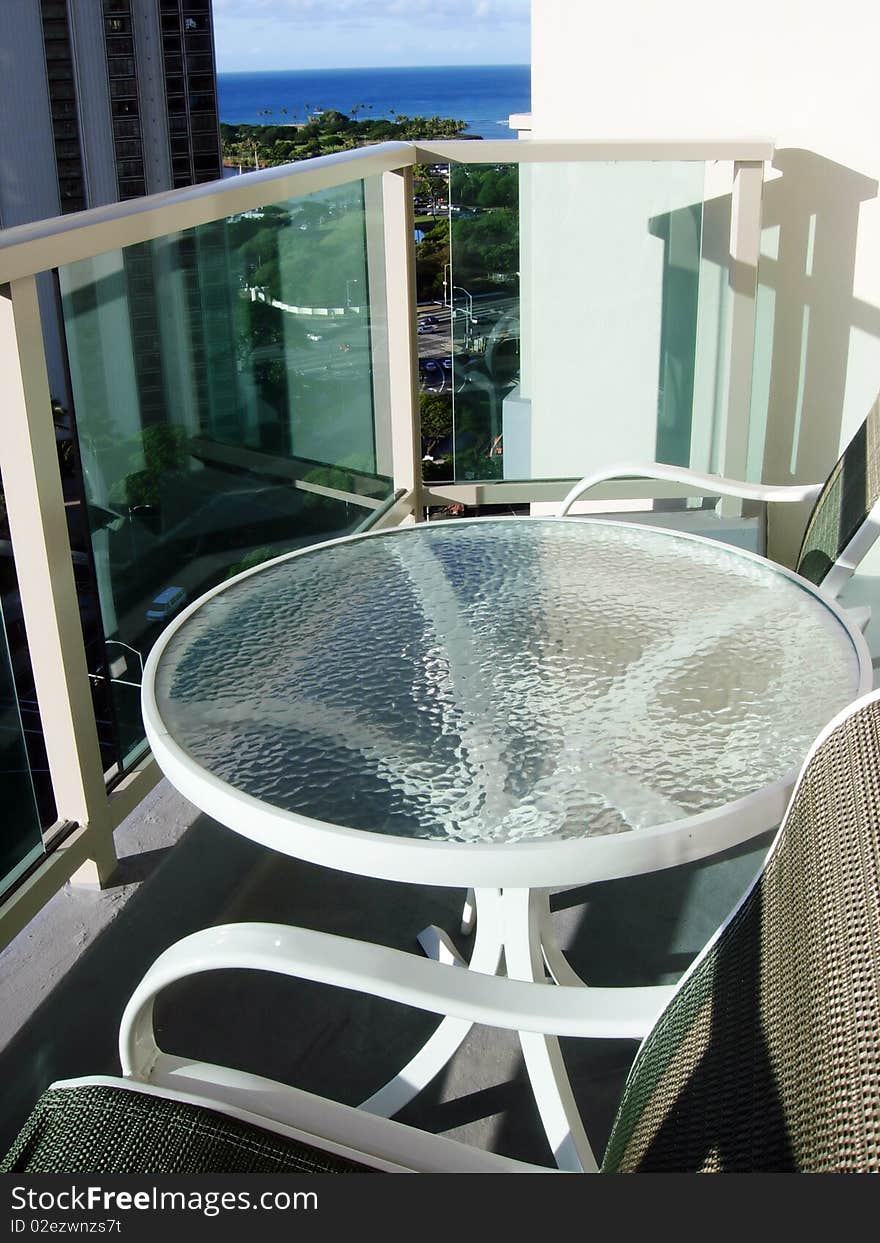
(343, 34)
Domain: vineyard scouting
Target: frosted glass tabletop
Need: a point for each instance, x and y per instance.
(505, 681)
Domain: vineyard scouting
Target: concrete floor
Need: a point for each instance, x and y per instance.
(68, 975)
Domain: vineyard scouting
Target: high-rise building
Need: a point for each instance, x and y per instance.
(104, 100)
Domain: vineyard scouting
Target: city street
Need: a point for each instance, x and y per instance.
(437, 342)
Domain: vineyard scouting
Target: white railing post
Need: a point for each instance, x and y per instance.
(745, 247)
(38, 525)
(403, 367)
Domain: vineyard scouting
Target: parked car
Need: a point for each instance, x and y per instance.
(166, 603)
(424, 326)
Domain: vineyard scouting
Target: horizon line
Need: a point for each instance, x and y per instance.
(383, 68)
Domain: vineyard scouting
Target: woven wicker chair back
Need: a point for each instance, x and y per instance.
(768, 1057)
(847, 497)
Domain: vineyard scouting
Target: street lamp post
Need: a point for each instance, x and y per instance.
(348, 285)
(470, 321)
(446, 274)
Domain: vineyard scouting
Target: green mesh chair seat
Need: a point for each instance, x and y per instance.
(844, 504)
(98, 1129)
(768, 1056)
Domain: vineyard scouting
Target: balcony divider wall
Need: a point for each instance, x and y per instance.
(196, 360)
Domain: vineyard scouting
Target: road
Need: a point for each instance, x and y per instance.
(439, 344)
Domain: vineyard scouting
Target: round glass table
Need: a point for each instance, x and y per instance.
(506, 705)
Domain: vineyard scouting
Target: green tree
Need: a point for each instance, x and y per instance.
(435, 412)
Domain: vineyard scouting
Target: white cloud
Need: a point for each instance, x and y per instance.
(328, 12)
(361, 33)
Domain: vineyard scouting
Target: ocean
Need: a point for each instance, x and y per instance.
(483, 95)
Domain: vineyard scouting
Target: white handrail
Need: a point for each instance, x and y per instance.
(42, 245)
(616, 150)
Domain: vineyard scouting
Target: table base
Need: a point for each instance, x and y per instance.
(514, 928)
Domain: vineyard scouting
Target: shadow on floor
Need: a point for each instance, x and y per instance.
(341, 1044)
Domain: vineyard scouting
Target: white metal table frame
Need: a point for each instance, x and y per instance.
(511, 882)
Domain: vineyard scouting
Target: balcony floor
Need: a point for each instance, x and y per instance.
(66, 1014)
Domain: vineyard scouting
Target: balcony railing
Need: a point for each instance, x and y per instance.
(236, 370)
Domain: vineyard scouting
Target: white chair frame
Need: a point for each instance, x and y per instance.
(559, 1010)
(717, 485)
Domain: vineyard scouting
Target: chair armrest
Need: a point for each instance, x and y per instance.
(622, 1013)
(705, 485)
(859, 616)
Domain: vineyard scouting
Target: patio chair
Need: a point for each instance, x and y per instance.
(845, 518)
(766, 1058)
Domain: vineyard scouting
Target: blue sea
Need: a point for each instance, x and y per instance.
(483, 96)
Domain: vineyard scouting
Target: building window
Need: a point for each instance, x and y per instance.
(192, 102)
(121, 88)
(201, 102)
(200, 62)
(205, 142)
(125, 106)
(62, 105)
(198, 43)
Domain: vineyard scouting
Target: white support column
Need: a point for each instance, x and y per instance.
(400, 285)
(38, 525)
(745, 247)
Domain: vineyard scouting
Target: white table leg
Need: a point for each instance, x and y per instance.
(554, 959)
(469, 913)
(524, 914)
(443, 1043)
(438, 944)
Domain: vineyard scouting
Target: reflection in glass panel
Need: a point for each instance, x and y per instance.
(229, 405)
(21, 841)
(610, 272)
(575, 336)
(484, 306)
(467, 256)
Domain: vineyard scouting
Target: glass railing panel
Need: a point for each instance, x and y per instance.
(484, 307)
(612, 252)
(229, 384)
(467, 257)
(21, 840)
(575, 332)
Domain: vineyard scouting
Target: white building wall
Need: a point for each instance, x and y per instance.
(802, 74)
